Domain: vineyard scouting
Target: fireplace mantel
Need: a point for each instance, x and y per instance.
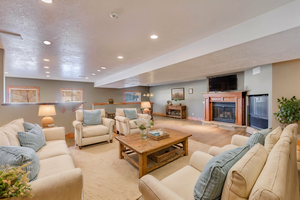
(237, 97)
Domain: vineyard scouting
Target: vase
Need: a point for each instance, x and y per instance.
(110, 101)
(144, 133)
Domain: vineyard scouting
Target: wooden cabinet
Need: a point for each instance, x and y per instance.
(176, 111)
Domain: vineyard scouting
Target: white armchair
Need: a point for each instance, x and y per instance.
(85, 135)
(124, 125)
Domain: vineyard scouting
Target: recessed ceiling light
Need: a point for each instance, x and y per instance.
(98, 70)
(6, 72)
(46, 67)
(86, 77)
(46, 60)
(47, 72)
(105, 67)
(93, 74)
(154, 36)
(47, 1)
(47, 42)
(120, 57)
(48, 76)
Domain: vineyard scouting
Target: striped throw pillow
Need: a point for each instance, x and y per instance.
(16, 156)
(33, 138)
(210, 184)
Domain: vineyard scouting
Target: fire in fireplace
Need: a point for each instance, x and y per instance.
(224, 112)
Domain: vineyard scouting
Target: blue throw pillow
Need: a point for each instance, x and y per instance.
(17, 156)
(265, 132)
(210, 183)
(255, 138)
(130, 113)
(28, 126)
(33, 138)
(91, 117)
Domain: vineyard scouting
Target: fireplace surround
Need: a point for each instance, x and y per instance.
(235, 98)
(224, 112)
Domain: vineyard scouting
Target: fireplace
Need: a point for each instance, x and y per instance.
(224, 112)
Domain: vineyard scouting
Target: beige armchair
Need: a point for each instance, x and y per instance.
(124, 125)
(85, 135)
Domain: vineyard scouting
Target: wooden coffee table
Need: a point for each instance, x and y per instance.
(131, 144)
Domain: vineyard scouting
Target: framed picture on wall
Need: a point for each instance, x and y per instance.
(191, 91)
(177, 93)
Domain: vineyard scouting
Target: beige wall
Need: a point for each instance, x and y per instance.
(286, 82)
(1, 74)
(50, 91)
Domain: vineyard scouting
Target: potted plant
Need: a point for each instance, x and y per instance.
(144, 124)
(288, 111)
(178, 100)
(14, 182)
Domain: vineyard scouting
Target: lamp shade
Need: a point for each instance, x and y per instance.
(47, 110)
(145, 104)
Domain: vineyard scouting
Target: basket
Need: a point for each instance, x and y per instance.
(159, 137)
(163, 155)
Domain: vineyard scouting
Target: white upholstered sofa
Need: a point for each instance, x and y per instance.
(85, 135)
(278, 179)
(58, 179)
(124, 125)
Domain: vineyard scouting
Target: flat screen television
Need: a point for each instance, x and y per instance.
(223, 83)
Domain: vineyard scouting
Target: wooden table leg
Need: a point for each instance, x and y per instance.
(121, 149)
(185, 145)
(142, 165)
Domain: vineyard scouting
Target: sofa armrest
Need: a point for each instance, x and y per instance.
(199, 160)
(77, 124)
(153, 189)
(144, 116)
(239, 140)
(55, 133)
(214, 151)
(66, 185)
(109, 123)
(122, 119)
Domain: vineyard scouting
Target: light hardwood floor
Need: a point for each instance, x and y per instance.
(205, 134)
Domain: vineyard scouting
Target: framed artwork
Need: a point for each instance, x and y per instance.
(177, 93)
(191, 91)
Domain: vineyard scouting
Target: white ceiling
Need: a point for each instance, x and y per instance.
(84, 37)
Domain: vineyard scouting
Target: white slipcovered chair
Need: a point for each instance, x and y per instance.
(124, 125)
(85, 135)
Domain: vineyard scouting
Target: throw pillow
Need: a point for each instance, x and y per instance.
(210, 183)
(243, 175)
(265, 132)
(33, 138)
(91, 117)
(28, 126)
(272, 138)
(255, 138)
(17, 156)
(130, 113)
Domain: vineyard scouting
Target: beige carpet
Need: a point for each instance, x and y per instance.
(107, 177)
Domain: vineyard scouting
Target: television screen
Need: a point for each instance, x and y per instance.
(223, 83)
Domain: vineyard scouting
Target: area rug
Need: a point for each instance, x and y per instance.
(105, 176)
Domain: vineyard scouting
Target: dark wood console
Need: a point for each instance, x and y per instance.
(176, 111)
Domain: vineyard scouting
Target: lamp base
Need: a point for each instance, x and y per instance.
(146, 111)
(46, 121)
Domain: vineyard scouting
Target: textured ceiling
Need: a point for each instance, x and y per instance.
(85, 38)
(271, 49)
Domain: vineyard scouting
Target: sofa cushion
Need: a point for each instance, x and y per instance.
(91, 117)
(271, 183)
(211, 181)
(255, 138)
(55, 165)
(183, 181)
(96, 130)
(34, 138)
(130, 114)
(132, 124)
(16, 156)
(52, 149)
(265, 132)
(11, 131)
(229, 147)
(3, 139)
(272, 138)
(243, 175)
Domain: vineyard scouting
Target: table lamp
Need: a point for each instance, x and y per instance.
(47, 111)
(146, 105)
